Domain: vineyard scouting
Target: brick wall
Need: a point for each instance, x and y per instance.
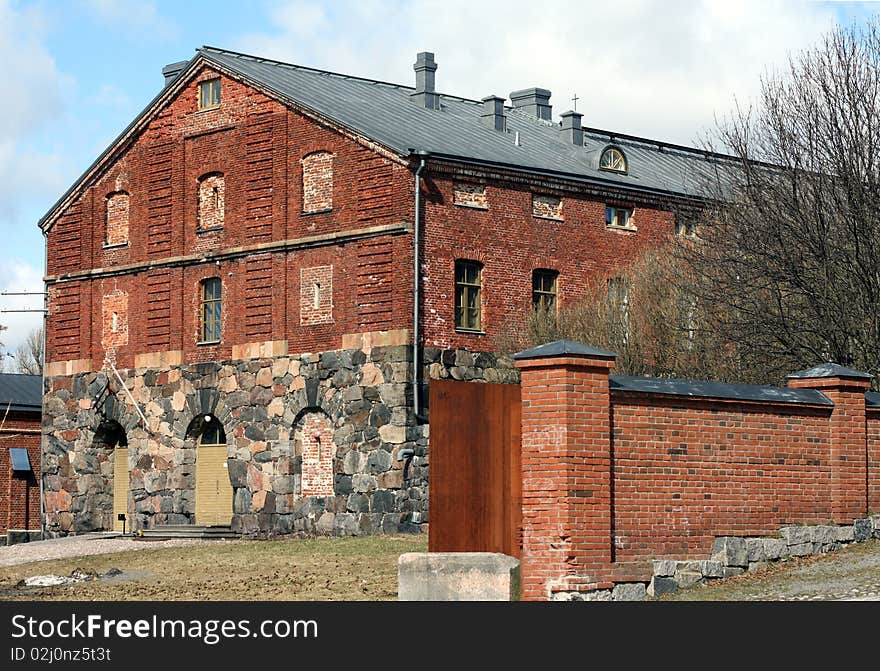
(317, 172)
(20, 493)
(613, 479)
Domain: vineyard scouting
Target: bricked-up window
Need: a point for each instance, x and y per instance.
(114, 319)
(209, 94)
(544, 289)
(316, 295)
(546, 207)
(619, 217)
(470, 195)
(613, 159)
(317, 182)
(212, 201)
(314, 436)
(468, 295)
(212, 303)
(117, 219)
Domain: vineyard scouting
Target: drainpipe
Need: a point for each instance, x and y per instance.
(43, 379)
(417, 282)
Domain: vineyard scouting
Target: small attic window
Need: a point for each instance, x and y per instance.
(209, 94)
(613, 159)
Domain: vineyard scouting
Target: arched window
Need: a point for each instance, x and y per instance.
(212, 309)
(317, 182)
(117, 205)
(613, 159)
(212, 201)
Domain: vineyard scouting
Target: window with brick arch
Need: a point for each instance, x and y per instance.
(117, 205)
(317, 182)
(212, 201)
(212, 308)
(468, 295)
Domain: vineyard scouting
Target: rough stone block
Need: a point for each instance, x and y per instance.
(733, 571)
(730, 551)
(688, 578)
(862, 530)
(665, 567)
(629, 591)
(823, 535)
(758, 566)
(712, 569)
(796, 535)
(662, 585)
(755, 550)
(845, 534)
(775, 548)
(801, 549)
(457, 576)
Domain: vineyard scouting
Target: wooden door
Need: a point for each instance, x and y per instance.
(121, 486)
(213, 489)
(475, 500)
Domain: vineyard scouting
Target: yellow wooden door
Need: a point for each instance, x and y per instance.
(213, 489)
(121, 485)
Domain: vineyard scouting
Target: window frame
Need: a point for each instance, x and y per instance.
(207, 318)
(542, 298)
(628, 226)
(213, 85)
(608, 151)
(463, 292)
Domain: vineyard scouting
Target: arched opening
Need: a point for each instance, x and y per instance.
(111, 452)
(213, 488)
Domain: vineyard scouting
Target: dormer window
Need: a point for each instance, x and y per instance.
(613, 160)
(209, 94)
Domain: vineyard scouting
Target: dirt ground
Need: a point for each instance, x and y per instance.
(324, 569)
(851, 574)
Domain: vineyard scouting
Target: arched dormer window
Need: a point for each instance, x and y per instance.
(212, 201)
(613, 159)
(317, 182)
(117, 205)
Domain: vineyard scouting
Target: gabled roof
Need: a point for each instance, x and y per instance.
(22, 393)
(388, 115)
(561, 348)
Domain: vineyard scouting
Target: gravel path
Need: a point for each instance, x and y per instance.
(78, 546)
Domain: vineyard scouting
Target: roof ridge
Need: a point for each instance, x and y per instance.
(330, 72)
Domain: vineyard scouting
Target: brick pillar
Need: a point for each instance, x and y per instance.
(566, 468)
(847, 435)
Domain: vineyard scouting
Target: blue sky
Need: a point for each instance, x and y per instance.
(76, 72)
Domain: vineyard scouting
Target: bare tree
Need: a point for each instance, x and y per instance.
(29, 355)
(790, 259)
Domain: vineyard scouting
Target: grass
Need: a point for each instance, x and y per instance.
(321, 569)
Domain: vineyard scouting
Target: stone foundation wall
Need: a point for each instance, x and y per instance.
(268, 408)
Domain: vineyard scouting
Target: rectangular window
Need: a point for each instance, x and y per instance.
(685, 226)
(209, 94)
(618, 217)
(544, 289)
(212, 302)
(468, 286)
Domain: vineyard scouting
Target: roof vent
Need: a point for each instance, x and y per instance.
(571, 128)
(425, 68)
(171, 71)
(533, 101)
(493, 113)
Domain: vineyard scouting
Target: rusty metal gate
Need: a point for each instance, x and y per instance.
(475, 481)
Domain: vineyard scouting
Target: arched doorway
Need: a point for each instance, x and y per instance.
(112, 445)
(213, 488)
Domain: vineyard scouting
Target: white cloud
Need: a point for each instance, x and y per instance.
(18, 275)
(138, 18)
(648, 67)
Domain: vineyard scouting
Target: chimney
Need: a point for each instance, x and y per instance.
(571, 128)
(425, 68)
(493, 113)
(534, 101)
(171, 71)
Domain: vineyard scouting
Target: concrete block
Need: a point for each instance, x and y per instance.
(457, 576)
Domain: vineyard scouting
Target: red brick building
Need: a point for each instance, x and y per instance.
(20, 415)
(232, 286)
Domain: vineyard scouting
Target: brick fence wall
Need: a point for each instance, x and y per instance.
(621, 471)
(20, 492)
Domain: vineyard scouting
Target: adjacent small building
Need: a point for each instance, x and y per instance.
(21, 401)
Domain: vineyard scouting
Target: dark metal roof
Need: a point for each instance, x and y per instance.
(562, 348)
(388, 114)
(872, 399)
(22, 393)
(829, 370)
(718, 390)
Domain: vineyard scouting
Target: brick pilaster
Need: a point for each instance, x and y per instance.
(566, 467)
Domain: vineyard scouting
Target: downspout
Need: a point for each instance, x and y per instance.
(417, 286)
(43, 377)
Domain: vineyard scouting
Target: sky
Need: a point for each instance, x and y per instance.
(75, 73)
